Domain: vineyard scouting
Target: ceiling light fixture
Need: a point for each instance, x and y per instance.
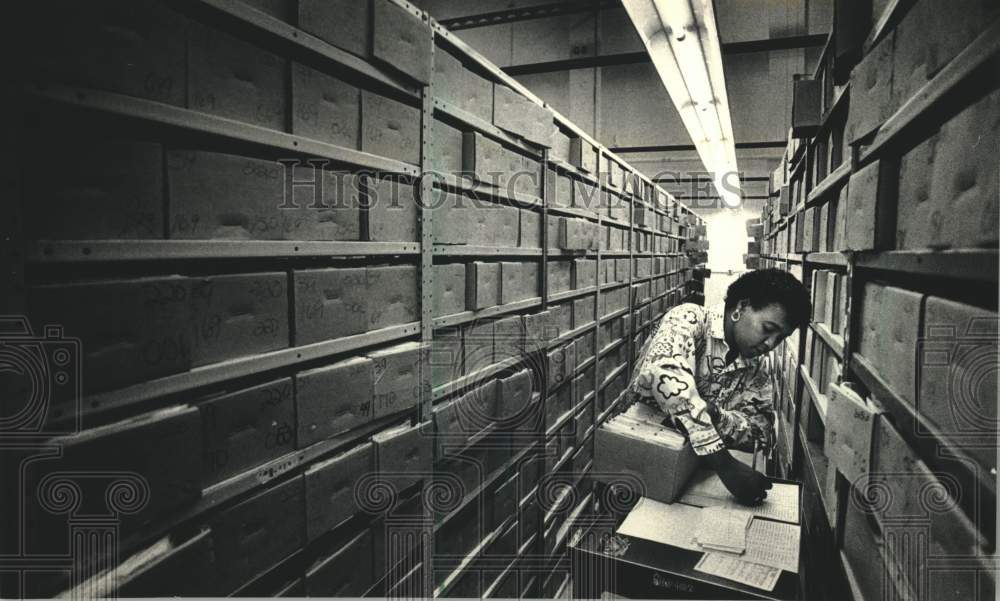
(683, 42)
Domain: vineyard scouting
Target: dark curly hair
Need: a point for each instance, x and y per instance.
(765, 286)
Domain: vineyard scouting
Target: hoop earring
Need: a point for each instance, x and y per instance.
(736, 315)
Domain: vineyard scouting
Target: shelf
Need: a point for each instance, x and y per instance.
(474, 378)
(558, 252)
(616, 314)
(80, 251)
(462, 250)
(478, 189)
(572, 212)
(484, 127)
(882, 25)
(471, 316)
(94, 405)
(165, 114)
(568, 294)
(826, 259)
(831, 184)
(978, 265)
(278, 31)
(611, 347)
(819, 400)
(570, 335)
(614, 374)
(834, 342)
(571, 170)
(935, 448)
(459, 570)
(975, 55)
(816, 465)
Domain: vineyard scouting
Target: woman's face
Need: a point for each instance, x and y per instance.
(760, 330)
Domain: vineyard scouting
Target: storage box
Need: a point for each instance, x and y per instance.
(330, 303)
(871, 91)
(325, 108)
(402, 40)
(530, 235)
(446, 356)
(585, 271)
(662, 467)
(238, 315)
(446, 149)
(346, 573)
(392, 296)
(449, 289)
(186, 570)
(132, 48)
(538, 331)
(458, 422)
(112, 189)
(508, 338)
(401, 376)
(259, 532)
(232, 78)
(390, 128)
(342, 23)
(949, 187)
(957, 391)
(850, 428)
(330, 488)
(521, 116)
(459, 86)
(483, 158)
(584, 310)
(482, 285)
(583, 155)
(129, 330)
(404, 455)
(333, 399)
(514, 401)
(807, 112)
(870, 213)
(391, 210)
(247, 428)
(889, 331)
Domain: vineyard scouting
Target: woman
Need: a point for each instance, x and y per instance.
(706, 368)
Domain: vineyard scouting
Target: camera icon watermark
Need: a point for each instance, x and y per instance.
(40, 380)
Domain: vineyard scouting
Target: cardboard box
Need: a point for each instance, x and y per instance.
(333, 399)
(238, 315)
(523, 174)
(342, 23)
(538, 331)
(956, 392)
(574, 234)
(247, 428)
(889, 335)
(401, 377)
(446, 356)
(449, 289)
(560, 275)
(583, 155)
(404, 455)
(330, 487)
(112, 189)
(185, 570)
(346, 573)
(390, 128)
(959, 208)
(870, 208)
(330, 303)
(584, 310)
(514, 401)
(585, 273)
(559, 369)
(559, 189)
(477, 340)
(259, 532)
(446, 149)
(871, 91)
(402, 40)
(505, 225)
(663, 467)
(831, 311)
(586, 195)
(461, 87)
(391, 210)
(521, 116)
(562, 317)
(132, 48)
(325, 108)
(392, 296)
(530, 235)
(232, 78)
(164, 478)
(458, 422)
(807, 111)
(130, 330)
(482, 158)
(508, 338)
(482, 285)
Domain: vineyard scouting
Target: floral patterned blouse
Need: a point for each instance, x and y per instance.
(682, 368)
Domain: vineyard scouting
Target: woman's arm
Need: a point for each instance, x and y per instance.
(750, 424)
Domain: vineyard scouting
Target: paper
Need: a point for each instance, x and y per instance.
(732, 568)
(723, 529)
(782, 502)
(673, 524)
(774, 544)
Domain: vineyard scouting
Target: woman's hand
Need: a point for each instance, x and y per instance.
(745, 483)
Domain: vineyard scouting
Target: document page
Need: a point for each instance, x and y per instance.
(732, 568)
